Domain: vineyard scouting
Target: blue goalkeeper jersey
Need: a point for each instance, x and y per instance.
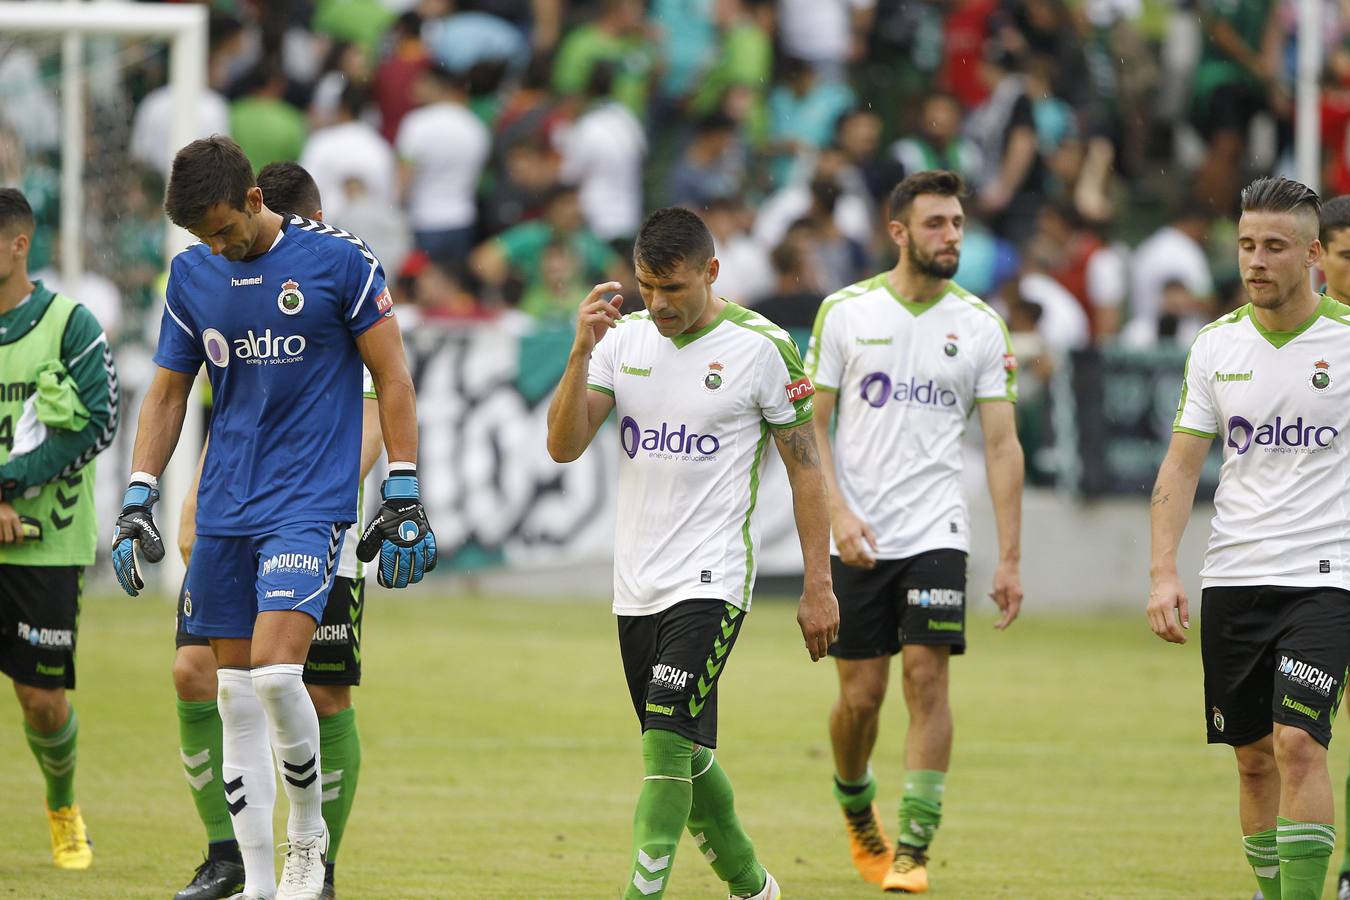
(277, 333)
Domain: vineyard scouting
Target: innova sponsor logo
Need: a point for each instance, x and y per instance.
(1307, 675)
(667, 439)
(877, 389)
(1282, 435)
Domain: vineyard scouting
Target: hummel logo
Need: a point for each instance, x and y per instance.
(237, 785)
(306, 766)
(245, 282)
(875, 342)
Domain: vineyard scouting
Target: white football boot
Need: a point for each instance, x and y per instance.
(302, 874)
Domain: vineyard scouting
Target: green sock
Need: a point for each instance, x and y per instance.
(340, 755)
(855, 796)
(662, 811)
(921, 807)
(716, 829)
(1305, 852)
(1265, 861)
(55, 754)
(1345, 860)
(199, 740)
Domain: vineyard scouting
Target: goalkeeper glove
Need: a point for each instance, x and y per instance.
(400, 533)
(136, 526)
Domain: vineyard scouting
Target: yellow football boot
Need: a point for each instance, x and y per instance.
(71, 847)
(868, 844)
(909, 871)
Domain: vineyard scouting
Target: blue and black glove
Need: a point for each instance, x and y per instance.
(136, 526)
(400, 533)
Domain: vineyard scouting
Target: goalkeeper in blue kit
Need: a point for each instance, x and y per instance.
(283, 311)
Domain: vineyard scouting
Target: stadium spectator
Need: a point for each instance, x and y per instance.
(442, 148)
(618, 37)
(794, 302)
(1061, 322)
(347, 65)
(712, 165)
(1170, 265)
(602, 154)
(839, 258)
(963, 37)
(460, 39)
(937, 142)
(1236, 80)
(152, 124)
(803, 110)
(866, 170)
(350, 149)
(442, 294)
(362, 22)
(517, 254)
(826, 34)
(853, 212)
(738, 79)
(396, 76)
(266, 126)
(1081, 260)
(745, 275)
(1011, 185)
(539, 21)
(686, 43)
(364, 213)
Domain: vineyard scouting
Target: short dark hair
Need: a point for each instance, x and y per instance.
(289, 189)
(1278, 195)
(1335, 217)
(669, 237)
(15, 211)
(206, 172)
(942, 182)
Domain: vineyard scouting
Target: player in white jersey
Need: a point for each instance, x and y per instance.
(906, 357)
(1272, 380)
(698, 384)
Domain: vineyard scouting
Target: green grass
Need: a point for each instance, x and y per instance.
(501, 761)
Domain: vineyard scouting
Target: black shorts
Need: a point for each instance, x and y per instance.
(918, 600)
(39, 624)
(673, 660)
(1273, 654)
(335, 653)
(1231, 107)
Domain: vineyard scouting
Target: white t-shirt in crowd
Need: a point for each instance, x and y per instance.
(448, 146)
(746, 274)
(350, 150)
(1166, 256)
(152, 126)
(1279, 401)
(908, 377)
(818, 30)
(694, 414)
(1063, 324)
(602, 154)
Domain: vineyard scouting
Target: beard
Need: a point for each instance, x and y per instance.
(934, 267)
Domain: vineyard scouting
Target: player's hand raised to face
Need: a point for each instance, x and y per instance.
(818, 618)
(597, 315)
(855, 539)
(1168, 609)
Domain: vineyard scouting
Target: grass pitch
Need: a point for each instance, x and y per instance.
(501, 760)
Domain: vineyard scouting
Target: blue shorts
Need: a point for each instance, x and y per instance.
(232, 579)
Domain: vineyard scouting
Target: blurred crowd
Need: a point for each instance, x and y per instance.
(499, 155)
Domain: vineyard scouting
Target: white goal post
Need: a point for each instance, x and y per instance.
(185, 29)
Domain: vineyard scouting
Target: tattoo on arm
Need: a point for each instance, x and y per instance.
(800, 444)
(1159, 498)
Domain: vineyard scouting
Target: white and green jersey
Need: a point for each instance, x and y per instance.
(1279, 401)
(694, 417)
(908, 376)
(348, 565)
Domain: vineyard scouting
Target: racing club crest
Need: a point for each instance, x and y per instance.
(713, 380)
(1321, 376)
(290, 300)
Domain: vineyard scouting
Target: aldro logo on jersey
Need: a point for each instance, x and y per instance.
(1281, 436)
(254, 349)
(1321, 376)
(877, 389)
(667, 441)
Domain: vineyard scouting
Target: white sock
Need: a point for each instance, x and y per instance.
(294, 728)
(250, 785)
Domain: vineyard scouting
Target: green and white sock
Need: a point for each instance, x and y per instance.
(55, 754)
(1265, 861)
(921, 806)
(1305, 852)
(717, 830)
(340, 757)
(855, 796)
(1345, 858)
(662, 811)
(199, 741)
